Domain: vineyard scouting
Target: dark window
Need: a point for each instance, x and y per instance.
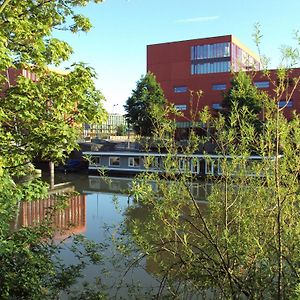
(133, 161)
(219, 87)
(180, 89)
(180, 106)
(217, 106)
(114, 161)
(283, 103)
(262, 84)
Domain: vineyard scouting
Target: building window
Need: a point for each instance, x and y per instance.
(155, 162)
(114, 161)
(181, 107)
(209, 167)
(183, 124)
(262, 84)
(210, 51)
(217, 106)
(133, 161)
(283, 103)
(180, 89)
(210, 67)
(219, 87)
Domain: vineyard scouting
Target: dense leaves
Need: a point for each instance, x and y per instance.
(41, 113)
(139, 106)
(243, 95)
(42, 116)
(244, 242)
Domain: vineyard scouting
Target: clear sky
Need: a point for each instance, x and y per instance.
(116, 46)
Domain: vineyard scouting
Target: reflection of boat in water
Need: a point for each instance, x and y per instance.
(109, 185)
(200, 190)
(71, 219)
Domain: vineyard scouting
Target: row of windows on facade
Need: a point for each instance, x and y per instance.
(210, 67)
(241, 60)
(210, 51)
(282, 103)
(218, 106)
(222, 86)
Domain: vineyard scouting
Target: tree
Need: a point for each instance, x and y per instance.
(139, 106)
(245, 244)
(121, 129)
(244, 95)
(43, 117)
(38, 118)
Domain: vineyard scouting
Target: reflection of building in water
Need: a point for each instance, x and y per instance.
(72, 218)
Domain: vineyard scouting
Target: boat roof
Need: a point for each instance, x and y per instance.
(156, 154)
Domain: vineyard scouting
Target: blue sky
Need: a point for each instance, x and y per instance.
(116, 46)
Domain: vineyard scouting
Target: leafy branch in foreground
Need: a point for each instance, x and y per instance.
(41, 112)
(245, 241)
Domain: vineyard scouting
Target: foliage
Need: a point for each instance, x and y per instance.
(244, 243)
(244, 95)
(121, 129)
(44, 118)
(40, 116)
(139, 106)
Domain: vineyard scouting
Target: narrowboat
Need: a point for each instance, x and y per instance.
(135, 162)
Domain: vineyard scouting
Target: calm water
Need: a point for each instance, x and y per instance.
(97, 213)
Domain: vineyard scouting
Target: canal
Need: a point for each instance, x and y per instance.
(98, 213)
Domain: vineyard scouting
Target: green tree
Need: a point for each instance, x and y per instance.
(121, 129)
(245, 242)
(244, 95)
(42, 117)
(140, 105)
(38, 118)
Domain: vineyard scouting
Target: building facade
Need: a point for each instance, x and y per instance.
(186, 67)
(108, 127)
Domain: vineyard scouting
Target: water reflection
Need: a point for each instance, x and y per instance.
(200, 190)
(71, 219)
(96, 214)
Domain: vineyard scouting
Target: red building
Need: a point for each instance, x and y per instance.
(206, 64)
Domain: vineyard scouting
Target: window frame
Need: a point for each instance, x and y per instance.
(262, 84)
(132, 162)
(283, 103)
(219, 86)
(117, 158)
(180, 89)
(180, 107)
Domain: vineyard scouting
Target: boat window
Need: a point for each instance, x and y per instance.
(133, 161)
(155, 162)
(114, 161)
(95, 160)
(195, 166)
(209, 167)
(182, 164)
